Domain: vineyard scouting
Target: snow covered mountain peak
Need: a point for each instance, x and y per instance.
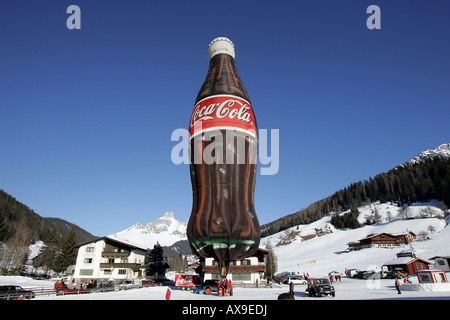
(442, 151)
(166, 230)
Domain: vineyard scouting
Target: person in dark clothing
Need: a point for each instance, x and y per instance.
(397, 286)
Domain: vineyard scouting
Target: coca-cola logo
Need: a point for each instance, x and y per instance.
(222, 111)
(184, 280)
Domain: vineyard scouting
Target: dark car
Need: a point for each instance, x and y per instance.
(15, 292)
(211, 284)
(104, 287)
(319, 287)
(366, 274)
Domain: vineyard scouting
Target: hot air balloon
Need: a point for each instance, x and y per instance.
(223, 131)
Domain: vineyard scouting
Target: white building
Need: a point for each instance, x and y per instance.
(442, 262)
(109, 259)
(248, 270)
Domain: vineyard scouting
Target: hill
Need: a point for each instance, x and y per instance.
(420, 179)
(319, 247)
(15, 216)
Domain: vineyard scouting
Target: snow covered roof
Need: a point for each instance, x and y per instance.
(369, 236)
(443, 257)
(403, 260)
(128, 244)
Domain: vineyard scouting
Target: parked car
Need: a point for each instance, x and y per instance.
(211, 284)
(318, 287)
(125, 284)
(104, 287)
(366, 274)
(351, 272)
(15, 292)
(297, 280)
(283, 276)
(148, 283)
(136, 283)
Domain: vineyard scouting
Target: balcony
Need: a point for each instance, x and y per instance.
(235, 269)
(113, 254)
(132, 266)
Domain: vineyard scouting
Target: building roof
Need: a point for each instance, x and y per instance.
(127, 244)
(444, 257)
(396, 235)
(403, 260)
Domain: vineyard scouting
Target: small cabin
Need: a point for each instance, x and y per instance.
(442, 262)
(407, 265)
(432, 276)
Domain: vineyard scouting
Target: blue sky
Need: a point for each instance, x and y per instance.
(86, 116)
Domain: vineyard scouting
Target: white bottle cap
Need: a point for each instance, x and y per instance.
(221, 45)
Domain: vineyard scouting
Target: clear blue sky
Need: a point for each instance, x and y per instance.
(86, 116)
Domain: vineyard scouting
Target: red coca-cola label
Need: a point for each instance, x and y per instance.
(185, 280)
(222, 112)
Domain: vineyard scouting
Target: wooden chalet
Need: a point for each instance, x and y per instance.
(410, 265)
(382, 240)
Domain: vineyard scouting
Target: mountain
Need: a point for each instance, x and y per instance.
(420, 179)
(166, 230)
(443, 151)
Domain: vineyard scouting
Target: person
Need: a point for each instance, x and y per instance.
(291, 288)
(397, 286)
(231, 287)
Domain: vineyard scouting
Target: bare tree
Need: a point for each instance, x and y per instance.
(16, 249)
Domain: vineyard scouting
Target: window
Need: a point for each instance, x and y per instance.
(122, 271)
(242, 276)
(440, 262)
(420, 266)
(107, 271)
(87, 260)
(86, 272)
(246, 262)
(90, 249)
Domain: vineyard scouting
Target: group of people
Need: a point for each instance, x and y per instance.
(335, 277)
(225, 287)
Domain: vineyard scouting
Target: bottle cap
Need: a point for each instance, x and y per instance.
(221, 45)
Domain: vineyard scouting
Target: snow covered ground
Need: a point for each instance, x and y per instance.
(326, 253)
(317, 257)
(347, 289)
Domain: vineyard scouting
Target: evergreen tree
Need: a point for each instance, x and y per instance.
(68, 254)
(2, 223)
(155, 261)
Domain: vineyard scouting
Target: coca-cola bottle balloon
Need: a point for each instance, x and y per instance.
(223, 148)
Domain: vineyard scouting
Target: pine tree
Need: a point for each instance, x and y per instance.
(68, 253)
(2, 224)
(155, 265)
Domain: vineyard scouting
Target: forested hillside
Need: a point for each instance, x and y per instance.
(17, 217)
(408, 183)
